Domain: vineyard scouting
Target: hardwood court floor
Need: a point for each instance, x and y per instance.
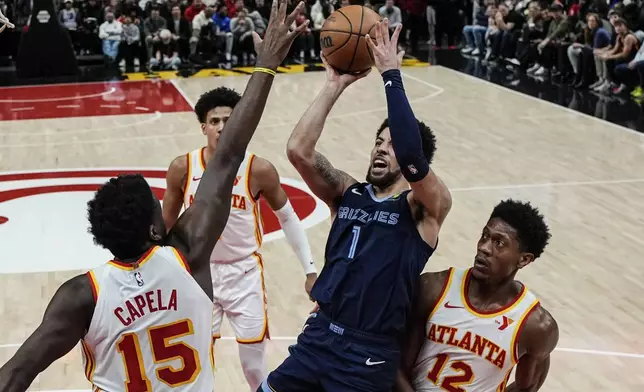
(584, 174)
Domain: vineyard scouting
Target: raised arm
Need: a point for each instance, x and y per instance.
(173, 196)
(429, 193)
(537, 340)
(197, 230)
(427, 295)
(326, 182)
(65, 322)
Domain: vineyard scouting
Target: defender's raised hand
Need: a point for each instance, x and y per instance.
(272, 50)
(385, 49)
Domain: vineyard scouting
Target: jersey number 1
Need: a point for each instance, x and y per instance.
(354, 241)
(162, 351)
(451, 383)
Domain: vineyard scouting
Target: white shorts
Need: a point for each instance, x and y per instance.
(240, 294)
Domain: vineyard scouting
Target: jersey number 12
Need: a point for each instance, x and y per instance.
(162, 351)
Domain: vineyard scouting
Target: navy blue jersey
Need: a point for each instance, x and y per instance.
(374, 256)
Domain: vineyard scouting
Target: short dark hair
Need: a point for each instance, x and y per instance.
(120, 215)
(621, 22)
(532, 230)
(426, 135)
(221, 96)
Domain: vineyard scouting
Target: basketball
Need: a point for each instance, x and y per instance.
(343, 38)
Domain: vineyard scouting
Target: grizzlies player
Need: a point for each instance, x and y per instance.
(382, 235)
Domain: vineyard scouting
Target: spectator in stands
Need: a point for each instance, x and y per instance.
(430, 15)
(110, 34)
(475, 34)
(68, 18)
(131, 42)
(242, 28)
(391, 12)
(580, 53)
(557, 30)
(180, 30)
(129, 8)
(193, 10)
(509, 23)
(637, 65)
(166, 52)
(263, 9)
(152, 27)
(259, 22)
(91, 18)
(223, 31)
(600, 68)
(534, 30)
(615, 61)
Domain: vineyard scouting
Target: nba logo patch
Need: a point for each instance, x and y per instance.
(139, 278)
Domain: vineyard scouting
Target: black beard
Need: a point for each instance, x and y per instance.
(383, 182)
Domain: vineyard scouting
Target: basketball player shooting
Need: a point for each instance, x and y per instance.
(236, 265)
(144, 319)
(381, 238)
(469, 328)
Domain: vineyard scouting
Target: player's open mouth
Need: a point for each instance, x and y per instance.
(379, 163)
(480, 262)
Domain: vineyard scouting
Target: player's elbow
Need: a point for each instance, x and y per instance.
(298, 155)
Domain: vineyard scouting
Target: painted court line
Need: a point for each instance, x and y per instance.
(108, 92)
(562, 349)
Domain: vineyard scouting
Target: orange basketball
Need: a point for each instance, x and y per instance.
(343, 40)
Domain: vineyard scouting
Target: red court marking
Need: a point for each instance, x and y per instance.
(302, 202)
(92, 99)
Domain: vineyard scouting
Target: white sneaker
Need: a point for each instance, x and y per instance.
(467, 50)
(514, 61)
(475, 52)
(535, 67)
(541, 72)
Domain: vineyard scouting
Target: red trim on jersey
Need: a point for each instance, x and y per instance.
(520, 328)
(131, 265)
(183, 260)
(249, 176)
(441, 296)
(202, 156)
(94, 285)
(487, 312)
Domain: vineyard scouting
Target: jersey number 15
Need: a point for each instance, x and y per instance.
(162, 351)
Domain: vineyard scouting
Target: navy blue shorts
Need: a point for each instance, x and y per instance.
(330, 357)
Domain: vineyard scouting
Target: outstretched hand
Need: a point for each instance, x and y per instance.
(344, 80)
(385, 49)
(272, 50)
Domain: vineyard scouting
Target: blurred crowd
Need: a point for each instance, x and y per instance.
(593, 45)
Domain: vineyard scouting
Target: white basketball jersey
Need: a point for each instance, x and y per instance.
(467, 350)
(242, 236)
(151, 328)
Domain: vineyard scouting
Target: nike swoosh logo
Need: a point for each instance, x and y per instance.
(369, 363)
(196, 178)
(448, 306)
(388, 83)
(354, 190)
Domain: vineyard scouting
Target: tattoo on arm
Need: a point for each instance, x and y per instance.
(332, 176)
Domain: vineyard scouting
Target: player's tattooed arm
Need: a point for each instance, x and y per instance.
(65, 322)
(173, 196)
(326, 182)
(538, 339)
(425, 301)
